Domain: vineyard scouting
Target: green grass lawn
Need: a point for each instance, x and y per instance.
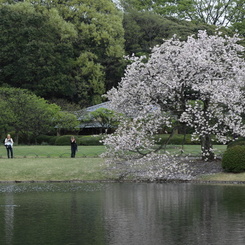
(53, 163)
(47, 151)
(51, 169)
(223, 177)
(194, 150)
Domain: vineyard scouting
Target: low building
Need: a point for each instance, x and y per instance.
(91, 126)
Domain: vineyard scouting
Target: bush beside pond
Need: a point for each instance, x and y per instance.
(234, 159)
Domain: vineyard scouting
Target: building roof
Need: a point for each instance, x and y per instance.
(82, 113)
(105, 105)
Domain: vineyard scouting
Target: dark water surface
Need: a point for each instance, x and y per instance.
(122, 214)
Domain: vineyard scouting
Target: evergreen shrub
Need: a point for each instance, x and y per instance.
(91, 140)
(64, 140)
(43, 139)
(233, 159)
(52, 140)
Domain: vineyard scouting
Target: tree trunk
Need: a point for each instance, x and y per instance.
(207, 148)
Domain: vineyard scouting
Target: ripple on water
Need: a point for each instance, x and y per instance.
(51, 187)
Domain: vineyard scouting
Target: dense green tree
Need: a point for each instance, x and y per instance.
(65, 105)
(66, 120)
(144, 30)
(99, 47)
(214, 12)
(103, 116)
(61, 49)
(26, 113)
(35, 51)
(239, 25)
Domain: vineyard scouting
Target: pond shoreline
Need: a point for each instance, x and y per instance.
(200, 172)
(160, 181)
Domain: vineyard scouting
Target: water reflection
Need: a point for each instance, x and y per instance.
(9, 216)
(122, 213)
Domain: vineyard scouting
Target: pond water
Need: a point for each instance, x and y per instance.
(122, 214)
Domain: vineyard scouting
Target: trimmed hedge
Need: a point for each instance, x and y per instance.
(64, 140)
(43, 139)
(52, 140)
(91, 140)
(177, 139)
(81, 140)
(233, 159)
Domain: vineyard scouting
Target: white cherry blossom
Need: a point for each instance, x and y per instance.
(198, 82)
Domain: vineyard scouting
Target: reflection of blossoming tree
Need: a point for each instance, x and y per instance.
(197, 83)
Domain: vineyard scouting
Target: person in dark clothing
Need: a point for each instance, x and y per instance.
(73, 146)
(8, 142)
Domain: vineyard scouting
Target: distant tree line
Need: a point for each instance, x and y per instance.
(72, 51)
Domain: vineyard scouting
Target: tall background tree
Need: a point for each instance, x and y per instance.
(227, 15)
(61, 49)
(35, 50)
(144, 30)
(212, 12)
(99, 47)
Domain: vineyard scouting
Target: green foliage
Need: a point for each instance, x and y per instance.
(239, 27)
(105, 117)
(43, 139)
(65, 105)
(98, 48)
(52, 140)
(240, 141)
(90, 140)
(144, 30)
(63, 140)
(213, 12)
(66, 120)
(26, 113)
(61, 49)
(35, 49)
(234, 159)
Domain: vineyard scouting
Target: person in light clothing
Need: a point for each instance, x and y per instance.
(8, 142)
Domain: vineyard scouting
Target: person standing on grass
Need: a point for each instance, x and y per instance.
(8, 142)
(73, 146)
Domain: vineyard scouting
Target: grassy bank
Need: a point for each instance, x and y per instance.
(51, 169)
(224, 177)
(53, 163)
